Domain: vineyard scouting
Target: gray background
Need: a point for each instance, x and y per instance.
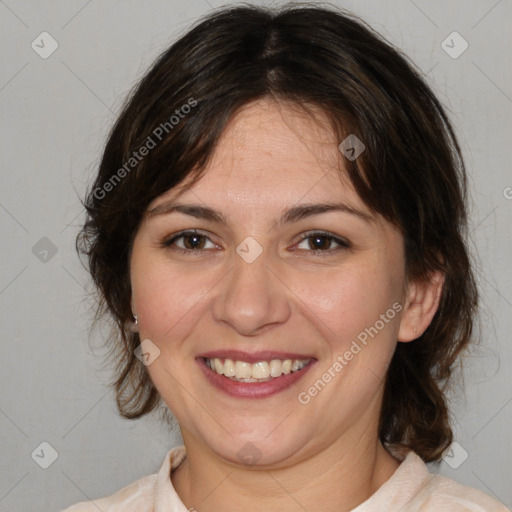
(56, 113)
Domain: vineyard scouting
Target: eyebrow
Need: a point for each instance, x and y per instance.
(293, 214)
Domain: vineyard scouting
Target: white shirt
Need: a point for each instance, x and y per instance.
(412, 488)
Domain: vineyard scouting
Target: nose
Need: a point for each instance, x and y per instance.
(252, 297)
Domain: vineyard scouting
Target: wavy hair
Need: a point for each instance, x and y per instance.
(411, 172)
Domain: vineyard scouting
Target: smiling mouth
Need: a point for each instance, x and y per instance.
(261, 371)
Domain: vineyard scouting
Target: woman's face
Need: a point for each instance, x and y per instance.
(269, 278)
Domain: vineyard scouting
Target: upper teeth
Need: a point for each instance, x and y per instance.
(260, 370)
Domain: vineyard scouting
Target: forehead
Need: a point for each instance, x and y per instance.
(278, 134)
(271, 149)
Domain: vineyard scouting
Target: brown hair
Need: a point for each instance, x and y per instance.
(411, 172)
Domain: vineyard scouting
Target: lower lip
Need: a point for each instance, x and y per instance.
(252, 389)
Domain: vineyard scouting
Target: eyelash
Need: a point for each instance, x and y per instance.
(343, 244)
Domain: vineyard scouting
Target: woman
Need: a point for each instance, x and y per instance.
(277, 229)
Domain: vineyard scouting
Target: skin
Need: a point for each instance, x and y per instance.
(323, 455)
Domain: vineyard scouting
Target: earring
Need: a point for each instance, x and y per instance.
(414, 330)
(135, 324)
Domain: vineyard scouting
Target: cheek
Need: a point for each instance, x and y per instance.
(348, 299)
(167, 300)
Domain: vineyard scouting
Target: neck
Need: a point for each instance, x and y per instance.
(334, 479)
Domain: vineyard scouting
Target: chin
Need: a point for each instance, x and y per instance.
(257, 448)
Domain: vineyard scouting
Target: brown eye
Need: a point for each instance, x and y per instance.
(193, 241)
(322, 242)
(189, 241)
(319, 242)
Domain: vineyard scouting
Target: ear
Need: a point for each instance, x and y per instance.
(420, 306)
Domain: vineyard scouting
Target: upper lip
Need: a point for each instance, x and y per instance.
(253, 357)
